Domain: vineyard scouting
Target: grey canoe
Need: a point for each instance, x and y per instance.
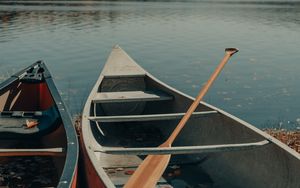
(129, 113)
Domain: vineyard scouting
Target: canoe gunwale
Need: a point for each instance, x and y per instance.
(89, 140)
(72, 152)
(256, 130)
(8, 82)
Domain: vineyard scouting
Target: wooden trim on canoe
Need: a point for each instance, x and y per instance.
(147, 117)
(32, 152)
(182, 149)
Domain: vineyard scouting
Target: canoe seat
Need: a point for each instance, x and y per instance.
(13, 123)
(123, 75)
(181, 149)
(32, 152)
(130, 96)
(148, 117)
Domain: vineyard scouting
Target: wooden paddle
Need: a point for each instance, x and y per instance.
(151, 169)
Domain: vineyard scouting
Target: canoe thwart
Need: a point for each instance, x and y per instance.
(130, 96)
(32, 152)
(13, 124)
(20, 113)
(148, 117)
(124, 75)
(182, 149)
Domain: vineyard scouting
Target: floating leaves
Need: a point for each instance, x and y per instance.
(25, 172)
(290, 138)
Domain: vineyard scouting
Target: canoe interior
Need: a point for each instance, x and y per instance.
(21, 96)
(266, 166)
(36, 171)
(157, 131)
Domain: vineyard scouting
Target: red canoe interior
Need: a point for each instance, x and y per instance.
(32, 97)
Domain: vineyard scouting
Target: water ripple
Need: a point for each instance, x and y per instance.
(179, 42)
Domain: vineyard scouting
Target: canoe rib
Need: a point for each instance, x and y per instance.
(130, 96)
(182, 149)
(148, 117)
(32, 152)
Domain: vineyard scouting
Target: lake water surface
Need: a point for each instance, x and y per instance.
(178, 42)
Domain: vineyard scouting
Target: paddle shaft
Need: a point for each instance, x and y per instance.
(203, 91)
(151, 169)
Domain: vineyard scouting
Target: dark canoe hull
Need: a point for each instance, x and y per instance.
(129, 112)
(89, 174)
(31, 95)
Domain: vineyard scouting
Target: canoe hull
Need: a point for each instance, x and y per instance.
(31, 96)
(125, 91)
(74, 181)
(90, 176)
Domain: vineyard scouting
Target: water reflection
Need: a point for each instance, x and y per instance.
(77, 15)
(179, 42)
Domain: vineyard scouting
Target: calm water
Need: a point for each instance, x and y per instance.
(179, 42)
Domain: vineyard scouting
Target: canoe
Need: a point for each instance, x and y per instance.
(129, 113)
(38, 143)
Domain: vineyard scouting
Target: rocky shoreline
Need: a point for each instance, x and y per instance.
(288, 137)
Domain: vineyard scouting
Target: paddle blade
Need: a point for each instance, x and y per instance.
(153, 167)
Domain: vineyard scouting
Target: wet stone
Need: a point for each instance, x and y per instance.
(289, 137)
